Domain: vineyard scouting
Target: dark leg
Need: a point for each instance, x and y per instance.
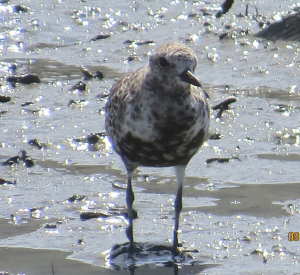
(129, 201)
(178, 207)
(180, 172)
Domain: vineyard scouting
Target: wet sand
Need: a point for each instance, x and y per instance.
(48, 262)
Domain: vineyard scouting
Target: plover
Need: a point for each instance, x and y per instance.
(158, 116)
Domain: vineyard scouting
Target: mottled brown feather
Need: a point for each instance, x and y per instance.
(152, 118)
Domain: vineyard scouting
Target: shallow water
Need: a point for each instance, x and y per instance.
(237, 214)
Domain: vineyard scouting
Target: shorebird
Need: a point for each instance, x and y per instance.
(158, 116)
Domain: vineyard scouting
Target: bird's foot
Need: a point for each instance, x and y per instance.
(125, 248)
(122, 257)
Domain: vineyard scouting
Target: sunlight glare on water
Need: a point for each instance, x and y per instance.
(241, 190)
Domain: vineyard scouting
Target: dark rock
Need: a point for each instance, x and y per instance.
(26, 79)
(220, 160)
(3, 112)
(223, 35)
(92, 215)
(88, 75)
(11, 161)
(6, 182)
(4, 98)
(98, 75)
(193, 14)
(50, 226)
(145, 42)
(215, 137)
(206, 13)
(36, 212)
(119, 185)
(128, 41)
(79, 102)
(76, 198)
(102, 97)
(219, 14)
(138, 42)
(12, 79)
(91, 138)
(36, 143)
(285, 29)
(282, 108)
(20, 8)
(80, 86)
(132, 57)
(100, 36)
(28, 162)
(261, 24)
(80, 242)
(105, 214)
(26, 159)
(72, 102)
(27, 103)
(224, 105)
(31, 111)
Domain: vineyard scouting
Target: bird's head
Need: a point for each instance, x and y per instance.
(175, 63)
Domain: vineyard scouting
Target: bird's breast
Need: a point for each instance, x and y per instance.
(163, 133)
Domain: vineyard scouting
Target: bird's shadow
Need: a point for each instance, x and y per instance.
(154, 256)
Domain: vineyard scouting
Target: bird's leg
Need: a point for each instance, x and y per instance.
(180, 173)
(129, 201)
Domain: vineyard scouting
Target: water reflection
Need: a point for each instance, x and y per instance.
(168, 269)
(155, 258)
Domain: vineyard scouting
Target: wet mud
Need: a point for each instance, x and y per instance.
(62, 186)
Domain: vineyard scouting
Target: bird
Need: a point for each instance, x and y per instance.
(158, 116)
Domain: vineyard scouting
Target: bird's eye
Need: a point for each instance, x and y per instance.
(163, 62)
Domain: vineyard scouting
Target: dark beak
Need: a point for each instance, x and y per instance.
(188, 77)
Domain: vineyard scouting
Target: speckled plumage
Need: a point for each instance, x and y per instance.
(158, 115)
(154, 121)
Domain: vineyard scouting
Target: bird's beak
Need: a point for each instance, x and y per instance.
(188, 77)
